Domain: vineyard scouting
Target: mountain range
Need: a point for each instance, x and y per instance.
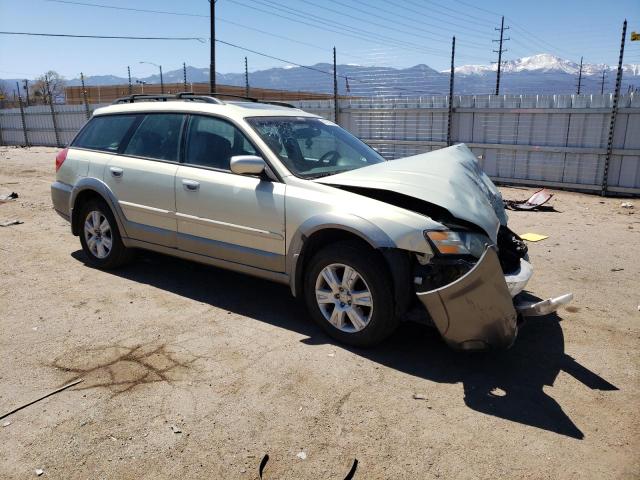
(537, 74)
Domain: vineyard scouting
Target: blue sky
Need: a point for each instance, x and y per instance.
(396, 33)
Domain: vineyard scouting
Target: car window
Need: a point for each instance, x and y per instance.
(105, 132)
(211, 142)
(313, 147)
(158, 136)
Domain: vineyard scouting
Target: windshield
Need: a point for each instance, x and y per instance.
(313, 147)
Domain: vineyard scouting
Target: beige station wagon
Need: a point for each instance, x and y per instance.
(272, 191)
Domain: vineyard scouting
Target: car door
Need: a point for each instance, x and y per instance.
(142, 178)
(238, 218)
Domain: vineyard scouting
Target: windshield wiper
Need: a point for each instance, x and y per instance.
(326, 174)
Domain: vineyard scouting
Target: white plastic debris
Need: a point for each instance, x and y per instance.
(302, 455)
(39, 471)
(332, 354)
(6, 424)
(419, 396)
(626, 205)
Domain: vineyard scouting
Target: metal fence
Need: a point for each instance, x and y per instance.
(548, 140)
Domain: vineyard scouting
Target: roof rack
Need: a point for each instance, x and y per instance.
(251, 99)
(202, 97)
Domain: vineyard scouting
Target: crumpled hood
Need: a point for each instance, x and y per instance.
(450, 178)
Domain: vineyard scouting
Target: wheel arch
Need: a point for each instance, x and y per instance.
(87, 189)
(313, 235)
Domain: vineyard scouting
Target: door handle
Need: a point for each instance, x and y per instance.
(191, 185)
(116, 171)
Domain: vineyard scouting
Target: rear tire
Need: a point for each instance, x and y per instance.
(100, 237)
(348, 292)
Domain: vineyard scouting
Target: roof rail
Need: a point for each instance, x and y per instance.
(202, 97)
(197, 96)
(142, 96)
(251, 99)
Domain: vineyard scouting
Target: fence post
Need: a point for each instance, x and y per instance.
(614, 114)
(53, 112)
(184, 75)
(451, 76)
(129, 76)
(22, 119)
(1, 140)
(335, 89)
(84, 95)
(246, 78)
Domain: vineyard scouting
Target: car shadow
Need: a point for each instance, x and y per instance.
(506, 384)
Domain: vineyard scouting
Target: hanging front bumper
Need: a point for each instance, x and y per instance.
(476, 311)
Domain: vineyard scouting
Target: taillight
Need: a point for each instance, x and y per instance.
(61, 157)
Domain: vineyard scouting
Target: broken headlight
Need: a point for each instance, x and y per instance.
(449, 242)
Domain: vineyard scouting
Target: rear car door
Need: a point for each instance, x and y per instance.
(238, 218)
(142, 177)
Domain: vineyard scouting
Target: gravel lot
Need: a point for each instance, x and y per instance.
(235, 366)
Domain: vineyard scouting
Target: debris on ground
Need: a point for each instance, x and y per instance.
(419, 396)
(617, 269)
(533, 237)
(11, 222)
(534, 202)
(6, 424)
(39, 471)
(9, 197)
(626, 205)
(302, 455)
(64, 387)
(175, 429)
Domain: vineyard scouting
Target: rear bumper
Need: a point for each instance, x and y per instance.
(60, 197)
(476, 311)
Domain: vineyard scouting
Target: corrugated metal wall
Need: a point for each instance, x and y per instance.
(555, 140)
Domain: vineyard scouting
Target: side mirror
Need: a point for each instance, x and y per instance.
(247, 165)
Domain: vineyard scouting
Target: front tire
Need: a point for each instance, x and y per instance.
(100, 237)
(348, 292)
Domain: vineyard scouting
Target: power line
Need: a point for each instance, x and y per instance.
(141, 10)
(336, 27)
(165, 12)
(110, 37)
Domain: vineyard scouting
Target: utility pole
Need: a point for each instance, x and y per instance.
(26, 91)
(246, 78)
(604, 72)
(53, 112)
(84, 96)
(184, 75)
(500, 51)
(335, 88)
(129, 75)
(212, 66)
(579, 77)
(614, 112)
(451, 75)
(161, 80)
(22, 118)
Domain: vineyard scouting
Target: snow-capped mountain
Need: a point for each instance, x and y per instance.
(537, 74)
(544, 62)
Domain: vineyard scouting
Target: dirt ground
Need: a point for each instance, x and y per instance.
(194, 372)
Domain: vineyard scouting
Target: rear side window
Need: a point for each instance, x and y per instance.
(105, 132)
(158, 136)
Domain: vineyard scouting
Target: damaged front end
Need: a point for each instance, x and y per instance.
(475, 304)
(476, 311)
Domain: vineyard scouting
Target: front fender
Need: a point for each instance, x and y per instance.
(353, 224)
